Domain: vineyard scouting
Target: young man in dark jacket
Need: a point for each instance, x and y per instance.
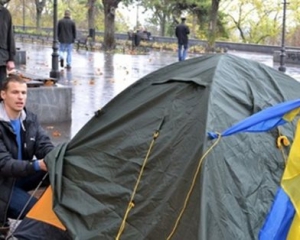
(182, 31)
(66, 31)
(21, 140)
(7, 43)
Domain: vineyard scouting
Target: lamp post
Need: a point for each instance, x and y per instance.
(23, 15)
(54, 71)
(137, 16)
(282, 67)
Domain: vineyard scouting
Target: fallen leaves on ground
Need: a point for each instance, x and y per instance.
(92, 82)
(98, 72)
(56, 133)
(49, 83)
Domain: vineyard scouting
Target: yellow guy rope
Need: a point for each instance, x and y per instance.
(131, 204)
(282, 141)
(192, 187)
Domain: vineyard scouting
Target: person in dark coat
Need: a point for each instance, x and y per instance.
(66, 32)
(23, 146)
(182, 31)
(7, 43)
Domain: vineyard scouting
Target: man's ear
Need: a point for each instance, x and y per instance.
(2, 93)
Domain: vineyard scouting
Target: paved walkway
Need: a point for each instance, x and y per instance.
(97, 77)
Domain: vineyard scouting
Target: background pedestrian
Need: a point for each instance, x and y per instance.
(66, 31)
(7, 43)
(182, 31)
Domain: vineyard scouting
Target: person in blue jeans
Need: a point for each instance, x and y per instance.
(23, 146)
(182, 31)
(66, 32)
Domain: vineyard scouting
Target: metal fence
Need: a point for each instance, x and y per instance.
(267, 49)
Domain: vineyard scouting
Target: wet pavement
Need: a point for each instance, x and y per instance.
(97, 77)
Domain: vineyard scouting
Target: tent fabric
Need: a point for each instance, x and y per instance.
(41, 222)
(283, 219)
(279, 219)
(42, 210)
(265, 120)
(94, 175)
(30, 229)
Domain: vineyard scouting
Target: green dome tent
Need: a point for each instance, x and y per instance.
(132, 172)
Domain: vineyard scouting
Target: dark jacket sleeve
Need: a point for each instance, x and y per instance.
(11, 41)
(10, 167)
(187, 30)
(43, 144)
(58, 29)
(74, 32)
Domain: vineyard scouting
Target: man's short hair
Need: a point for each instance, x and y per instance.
(67, 13)
(11, 78)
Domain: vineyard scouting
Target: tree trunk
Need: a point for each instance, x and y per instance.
(163, 25)
(194, 26)
(109, 23)
(38, 20)
(91, 18)
(213, 25)
(39, 9)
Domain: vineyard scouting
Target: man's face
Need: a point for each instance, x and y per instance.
(15, 96)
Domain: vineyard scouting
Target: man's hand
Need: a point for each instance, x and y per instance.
(42, 165)
(10, 65)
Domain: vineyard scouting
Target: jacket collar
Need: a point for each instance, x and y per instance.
(4, 116)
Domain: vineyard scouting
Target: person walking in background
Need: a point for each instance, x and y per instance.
(66, 31)
(7, 43)
(182, 31)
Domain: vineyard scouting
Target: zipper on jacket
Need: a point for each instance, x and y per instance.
(23, 140)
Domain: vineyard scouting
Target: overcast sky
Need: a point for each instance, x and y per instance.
(130, 14)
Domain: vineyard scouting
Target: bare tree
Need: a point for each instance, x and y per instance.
(213, 24)
(40, 4)
(91, 18)
(109, 23)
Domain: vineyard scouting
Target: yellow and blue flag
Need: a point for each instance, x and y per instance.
(283, 220)
(264, 120)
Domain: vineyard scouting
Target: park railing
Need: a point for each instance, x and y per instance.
(46, 34)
